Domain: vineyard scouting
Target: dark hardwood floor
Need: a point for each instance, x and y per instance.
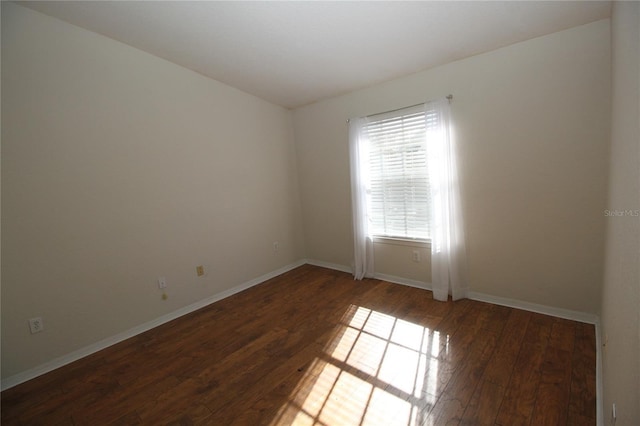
(315, 347)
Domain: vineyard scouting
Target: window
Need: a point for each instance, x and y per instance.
(398, 181)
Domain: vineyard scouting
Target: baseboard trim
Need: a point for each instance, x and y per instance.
(24, 376)
(534, 307)
(329, 265)
(599, 383)
(403, 281)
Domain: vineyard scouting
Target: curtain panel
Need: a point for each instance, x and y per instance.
(362, 238)
(448, 250)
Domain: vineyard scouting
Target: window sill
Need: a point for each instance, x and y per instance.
(402, 242)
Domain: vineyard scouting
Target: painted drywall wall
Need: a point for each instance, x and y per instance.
(532, 124)
(119, 167)
(395, 258)
(621, 289)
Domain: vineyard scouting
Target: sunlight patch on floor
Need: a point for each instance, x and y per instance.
(378, 370)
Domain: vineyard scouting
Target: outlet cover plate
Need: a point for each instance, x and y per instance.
(36, 325)
(162, 282)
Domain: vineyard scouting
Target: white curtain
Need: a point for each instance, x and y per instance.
(448, 253)
(363, 242)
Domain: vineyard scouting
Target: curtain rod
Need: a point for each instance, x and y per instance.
(449, 98)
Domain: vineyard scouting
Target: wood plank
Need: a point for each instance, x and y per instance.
(483, 407)
(582, 400)
(518, 403)
(503, 361)
(451, 406)
(125, 400)
(552, 399)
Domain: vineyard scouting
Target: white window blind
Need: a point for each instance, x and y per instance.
(398, 175)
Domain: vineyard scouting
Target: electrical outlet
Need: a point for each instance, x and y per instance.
(416, 256)
(162, 282)
(36, 325)
(200, 270)
(276, 246)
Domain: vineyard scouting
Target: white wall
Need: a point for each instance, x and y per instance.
(119, 167)
(532, 121)
(621, 289)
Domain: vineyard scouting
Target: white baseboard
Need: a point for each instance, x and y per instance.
(404, 281)
(599, 384)
(534, 307)
(24, 376)
(329, 265)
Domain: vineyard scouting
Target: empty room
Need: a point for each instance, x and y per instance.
(320, 213)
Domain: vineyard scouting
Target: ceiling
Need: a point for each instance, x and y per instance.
(296, 53)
